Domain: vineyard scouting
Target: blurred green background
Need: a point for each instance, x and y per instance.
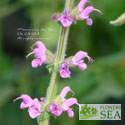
(103, 81)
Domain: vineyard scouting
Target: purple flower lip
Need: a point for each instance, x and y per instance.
(84, 12)
(78, 61)
(65, 19)
(55, 109)
(64, 71)
(33, 105)
(39, 54)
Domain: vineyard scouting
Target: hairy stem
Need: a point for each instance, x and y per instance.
(60, 56)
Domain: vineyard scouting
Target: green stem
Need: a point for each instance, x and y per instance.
(45, 122)
(60, 56)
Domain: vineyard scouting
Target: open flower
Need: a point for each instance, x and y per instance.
(26, 101)
(64, 70)
(55, 109)
(65, 19)
(63, 104)
(33, 105)
(84, 12)
(64, 92)
(35, 109)
(39, 54)
(78, 60)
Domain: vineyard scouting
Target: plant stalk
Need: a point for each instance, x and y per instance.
(59, 58)
(61, 49)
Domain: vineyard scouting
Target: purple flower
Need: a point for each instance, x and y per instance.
(64, 105)
(64, 70)
(35, 109)
(70, 112)
(68, 103)
(78, 60)
(55, 109)
(64, 92)
(33, 105)
(39, 54)
(85, 12)
(65, 19)
(26, 101)
(42, 99)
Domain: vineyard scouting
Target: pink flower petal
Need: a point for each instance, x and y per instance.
(85, 13)
(41, 45)
(39, 54)
(33, 113)
(64, 92)
(81, 5)
(78, 57)
(89, 22)
(35, 109)
(64, 71)
(42, 99)
(55, 109)
(65, 22)
(26, 101)
(70, 113)
(36, 63)
(65, 19)
(69, 102)
(82, 66)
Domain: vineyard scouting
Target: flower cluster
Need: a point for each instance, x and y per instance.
(65, 19)
(82, 13)
(77, 60)
(59, 105)
(39, 54)
(33, 105)
(64, 70)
